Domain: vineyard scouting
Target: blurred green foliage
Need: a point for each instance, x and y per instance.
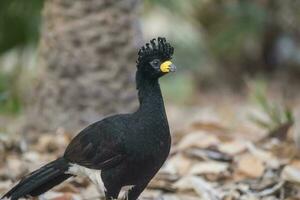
(10, 100)
(19, 23)
(276, 115)
(19, 27)
(217, 40)
(229, 32)
(178, 83)
(237, 37)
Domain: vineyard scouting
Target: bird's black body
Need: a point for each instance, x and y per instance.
(127, 149)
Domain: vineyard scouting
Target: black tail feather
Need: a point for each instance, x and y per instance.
(40, 180)
(50, 184)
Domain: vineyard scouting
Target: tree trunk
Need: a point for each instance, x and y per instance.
(88, 50)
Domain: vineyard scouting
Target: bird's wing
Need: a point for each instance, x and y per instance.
(95, 148)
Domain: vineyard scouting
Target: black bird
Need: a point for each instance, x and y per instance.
(120, 150)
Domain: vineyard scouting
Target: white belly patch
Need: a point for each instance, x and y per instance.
(93, 174)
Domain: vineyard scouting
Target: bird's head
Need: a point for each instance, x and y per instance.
(154, 59)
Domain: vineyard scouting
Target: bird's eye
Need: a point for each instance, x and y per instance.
(155, 62)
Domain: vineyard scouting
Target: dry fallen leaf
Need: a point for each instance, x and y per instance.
(184, 184)
(233, 147)
(153, 194)
(201, 187)
(65, 196)
(67, 188)
(161, 185)
(250, 166)
(209, 167)
(179, 197)
(4, 186)
(90, 192)
(178, 164)
(265, 156)
(198, 139)
(209, 126)
(208, 154)
(291, 174)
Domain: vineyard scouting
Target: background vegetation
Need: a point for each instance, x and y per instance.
(220, 44)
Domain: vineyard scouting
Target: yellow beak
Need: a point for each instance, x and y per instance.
(167, 67)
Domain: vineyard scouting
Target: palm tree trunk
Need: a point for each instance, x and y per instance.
(87, 50)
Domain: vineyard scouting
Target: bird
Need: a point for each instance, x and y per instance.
(122, 151)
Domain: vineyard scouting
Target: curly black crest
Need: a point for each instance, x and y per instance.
(159, 48)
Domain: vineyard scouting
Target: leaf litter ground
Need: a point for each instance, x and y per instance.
(217, 154)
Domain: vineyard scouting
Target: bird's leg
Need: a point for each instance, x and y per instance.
(135, 192)
(111, 197)
(112, 194)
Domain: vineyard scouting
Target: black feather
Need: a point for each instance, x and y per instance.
(40, 180)
(159, 49)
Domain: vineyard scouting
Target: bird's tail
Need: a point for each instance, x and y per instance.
(40, 180)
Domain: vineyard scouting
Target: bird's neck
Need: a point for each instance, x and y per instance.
(152, 109)
(150, 96)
